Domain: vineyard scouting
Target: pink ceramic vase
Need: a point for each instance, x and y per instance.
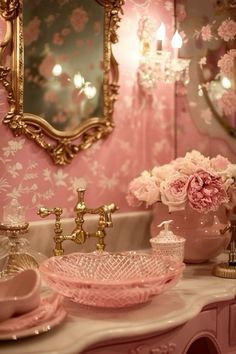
(202, 232)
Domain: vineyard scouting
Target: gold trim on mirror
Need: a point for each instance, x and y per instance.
(61, 146)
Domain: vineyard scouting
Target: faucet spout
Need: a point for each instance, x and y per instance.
(79, 235)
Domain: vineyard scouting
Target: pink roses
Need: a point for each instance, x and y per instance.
(174, 192)
(206, 192)
(196, 181)
(143, 189)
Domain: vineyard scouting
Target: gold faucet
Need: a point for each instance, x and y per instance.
(79, 235)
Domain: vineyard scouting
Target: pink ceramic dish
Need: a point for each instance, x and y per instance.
(110, 280)
(19, 294)
(43, 318)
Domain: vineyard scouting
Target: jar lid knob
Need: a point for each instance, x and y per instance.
(166, 224)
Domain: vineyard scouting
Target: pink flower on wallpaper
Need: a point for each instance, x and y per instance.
(97, 26)
(174, 192)
(144, 188)
(65, 31)
(180, 12)
(228, 102)
(227, 30)
(206, 192)
(46, 66)
(78, 19)
(50, 19)
(89, 43)
(226, 62)
(206, 33)
(50, 96)
(31, 31)
(57, 39)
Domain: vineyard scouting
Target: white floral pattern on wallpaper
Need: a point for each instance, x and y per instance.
(23, 180)
(143, 135)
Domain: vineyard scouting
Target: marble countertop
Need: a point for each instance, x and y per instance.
(86, 326)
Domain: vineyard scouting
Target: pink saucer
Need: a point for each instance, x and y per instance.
(47, 315)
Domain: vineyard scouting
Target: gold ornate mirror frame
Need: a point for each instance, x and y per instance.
(61, 146)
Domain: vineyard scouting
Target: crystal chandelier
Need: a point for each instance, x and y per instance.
(158, 65)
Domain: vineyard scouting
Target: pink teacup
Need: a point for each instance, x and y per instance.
(19, 294)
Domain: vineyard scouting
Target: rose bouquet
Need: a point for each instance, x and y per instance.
(202, 183)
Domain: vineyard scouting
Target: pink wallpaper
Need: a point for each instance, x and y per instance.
(143, 136)
(150, 129)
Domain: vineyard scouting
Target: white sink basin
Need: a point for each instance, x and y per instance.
(130, 231)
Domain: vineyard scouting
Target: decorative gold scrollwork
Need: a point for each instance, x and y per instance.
(62, 146)
(9, 9)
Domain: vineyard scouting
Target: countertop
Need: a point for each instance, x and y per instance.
(85, 326)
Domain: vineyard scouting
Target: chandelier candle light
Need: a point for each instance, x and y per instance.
(158, 64)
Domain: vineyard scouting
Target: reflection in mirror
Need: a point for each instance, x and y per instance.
(63, 84)
(211, 28)
(63, 53)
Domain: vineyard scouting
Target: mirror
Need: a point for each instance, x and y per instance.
(64, 78)
(212, 87)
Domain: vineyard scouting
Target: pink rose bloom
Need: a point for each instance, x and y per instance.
(219, 163)
(192, 162)
(206, 33)
(228, 102)
(78, 19)
(206, 192)
(174, 192)
(227, 30)
(31, 31)
(144, 189)
(226, 62)
(46, 66)
(162, 172)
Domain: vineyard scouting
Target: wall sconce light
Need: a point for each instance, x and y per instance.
(156, 64)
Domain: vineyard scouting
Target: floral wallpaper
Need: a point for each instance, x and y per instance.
(143, 136)
(63, 60)
(149, 129)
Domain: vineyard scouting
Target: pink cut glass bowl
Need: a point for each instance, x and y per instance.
(110, 280)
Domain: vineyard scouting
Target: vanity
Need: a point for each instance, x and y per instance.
(198, 315)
